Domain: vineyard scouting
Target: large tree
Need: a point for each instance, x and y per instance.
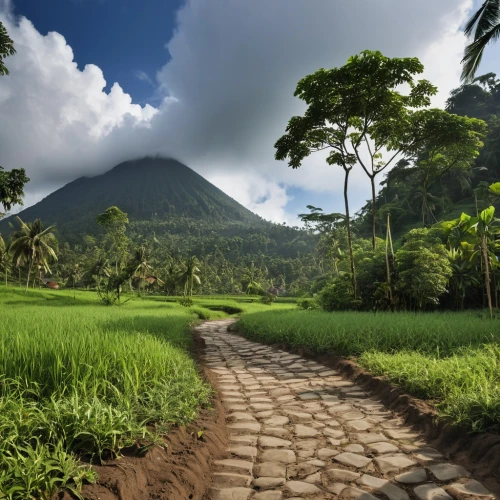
(359, 115)
(483, 27)
(114, 221)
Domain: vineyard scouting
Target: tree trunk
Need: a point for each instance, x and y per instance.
(374, 213)
(28, 280)
(487, 275)
(349, 237)
(389, 285)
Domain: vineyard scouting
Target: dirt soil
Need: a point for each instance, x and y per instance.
(180, 470)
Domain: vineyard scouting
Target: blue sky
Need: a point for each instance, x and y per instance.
(125, 38)
(230, 69)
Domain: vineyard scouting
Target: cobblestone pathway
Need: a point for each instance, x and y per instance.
(298, 430)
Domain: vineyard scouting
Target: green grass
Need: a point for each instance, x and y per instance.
(451, 359)
(79, 379)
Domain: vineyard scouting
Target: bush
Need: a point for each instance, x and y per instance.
(338, 295)
(308, 304)
(268, 299)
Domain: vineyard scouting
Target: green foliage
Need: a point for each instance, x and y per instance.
(12, 182)
(484, 27)
(96, 384)
(307, 304)
(338, 295)
(6, 49)
(424, 268)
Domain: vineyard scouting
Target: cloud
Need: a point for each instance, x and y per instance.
(227, 93)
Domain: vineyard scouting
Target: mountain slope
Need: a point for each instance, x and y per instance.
(146, 188)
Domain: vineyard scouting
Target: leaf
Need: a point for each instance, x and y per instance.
(495, 189)
(487, 215)
(200, 434)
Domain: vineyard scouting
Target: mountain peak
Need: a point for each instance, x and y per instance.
(144, 188)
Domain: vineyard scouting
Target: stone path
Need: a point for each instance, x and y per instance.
(298, 430)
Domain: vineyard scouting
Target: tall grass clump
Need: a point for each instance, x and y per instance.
(451, 359)
(81, 379)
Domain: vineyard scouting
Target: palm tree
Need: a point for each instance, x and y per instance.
(189, 275)
(75, 273)
(484, 25)
(33, 244)
(141, 264)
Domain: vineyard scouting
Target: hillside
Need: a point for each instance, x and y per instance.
(146, 189)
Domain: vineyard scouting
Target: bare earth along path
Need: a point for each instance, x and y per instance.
(298, 430)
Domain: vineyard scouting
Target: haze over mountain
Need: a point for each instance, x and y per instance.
(144, 188)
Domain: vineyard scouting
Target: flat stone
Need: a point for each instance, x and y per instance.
(394, 492)
(241, 417)
(268, 495)
(243, 451)
(370, 437)
(325, 453)
(334, 433)
(269, 469)
(261, 406)
(227, 479)
(280, 391)
(357, 494)
(302, 470)
(431, 492)
(352, 460)
(412, 476)
(316, 462)
(428, 455)
(276, 420)
(353, 415)
(231, 494)
(250, 427)
(275, 431)
(306, 444)
(308, 395)
(235, 464)
(267, 483)
(382, 448)
(401, 434)
(264, 414)
(371, 481)
(445, 472)
(304, 431)
(393, 463)
(336, 488)
(301, 488)
(260, 399)
(283, 456)
(250, 440)
(354, 448)
(472, 488)
(296, 416)
(273, 442)
(359, 425)
(313, 478)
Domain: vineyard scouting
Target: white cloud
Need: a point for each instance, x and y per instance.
(230, 82)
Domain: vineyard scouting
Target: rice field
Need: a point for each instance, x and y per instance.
(82, 380)
(450, 359)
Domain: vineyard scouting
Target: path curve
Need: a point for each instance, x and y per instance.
(297, 430)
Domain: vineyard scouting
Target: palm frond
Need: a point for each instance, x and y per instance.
(474, 53)
(484, 19)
